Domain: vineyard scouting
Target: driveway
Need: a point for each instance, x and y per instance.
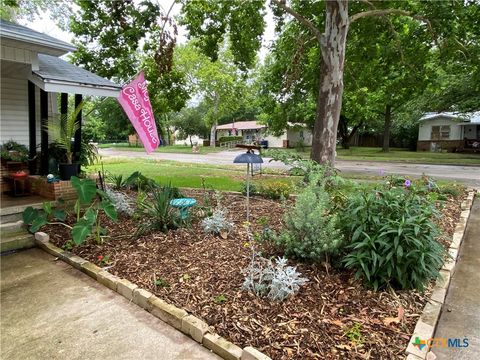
(468, 175)
(52, 311)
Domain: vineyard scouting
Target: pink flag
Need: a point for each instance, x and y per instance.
(136, 103)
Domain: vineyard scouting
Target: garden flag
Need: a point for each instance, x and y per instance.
(136, 103)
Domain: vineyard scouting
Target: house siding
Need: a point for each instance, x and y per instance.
(14, 110)
(425, 129)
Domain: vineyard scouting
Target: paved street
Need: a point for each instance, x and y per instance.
(468, 175)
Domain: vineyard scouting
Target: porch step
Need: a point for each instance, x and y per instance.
(15, 240)
(14, 213)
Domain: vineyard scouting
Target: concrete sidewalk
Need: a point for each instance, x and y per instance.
(460, 317)
(50, 310)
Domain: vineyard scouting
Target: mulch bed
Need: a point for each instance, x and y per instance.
(317, 323)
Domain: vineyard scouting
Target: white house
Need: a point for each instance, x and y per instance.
(252, 131)
(32, 75)
(449, 131)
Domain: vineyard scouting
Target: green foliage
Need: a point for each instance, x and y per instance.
(160, 214)
(452, 189)
(354, 334)
(162, 283)
(252, 188)
(275, 190)
(118, 181)
(190, 122)
(13, 151)
(36, 219)
(138, 181)
(392, 238)
(311, 229)
(220, 299)
(243, 20)
(96, 202)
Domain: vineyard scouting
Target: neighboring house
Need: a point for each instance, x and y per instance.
(252, 131)
(33, 80)
(449, 131)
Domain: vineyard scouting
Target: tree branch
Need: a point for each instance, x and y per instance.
(303, 20)
(379, 12)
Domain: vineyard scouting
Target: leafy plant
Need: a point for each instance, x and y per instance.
(217, 223)
(160, 214)
(95, 201)
(13, 151)
(275, 190)
(36, 219)
(138, 181)
(392, 238)
(354, 334)
(63, 130)
(311, 228)
(273, 279)
(161, 282)
(219, 299)
(252, 189)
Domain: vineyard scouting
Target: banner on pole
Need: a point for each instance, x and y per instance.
(136, 103)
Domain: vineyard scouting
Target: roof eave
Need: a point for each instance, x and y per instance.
(63, 46)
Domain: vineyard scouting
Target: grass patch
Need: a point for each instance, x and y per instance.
(178, 149)
(180, 174)
(401, 155)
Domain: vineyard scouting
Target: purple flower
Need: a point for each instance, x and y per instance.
(407, 183)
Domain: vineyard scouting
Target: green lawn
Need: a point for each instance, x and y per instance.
(162, 149)
(402, 155)
(189, 175)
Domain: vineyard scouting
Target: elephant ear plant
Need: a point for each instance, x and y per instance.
(91, 202)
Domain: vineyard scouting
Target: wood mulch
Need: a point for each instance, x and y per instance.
(332, 317)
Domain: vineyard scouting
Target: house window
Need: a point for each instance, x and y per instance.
(301, 135)
(440, 132)
(445, 132)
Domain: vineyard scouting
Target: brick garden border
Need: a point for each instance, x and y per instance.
(427, 323)
(176, 317)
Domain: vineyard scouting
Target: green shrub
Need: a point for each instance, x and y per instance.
(275, 190)
(13, 151)
(160, 214)
(229, 138)
(311, 228)
(392, 238)
(452, 189)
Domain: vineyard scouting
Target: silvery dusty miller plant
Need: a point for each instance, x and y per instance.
(121, 202)
(217, 223)
(275, 280)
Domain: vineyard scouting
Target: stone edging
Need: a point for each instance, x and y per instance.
(426, 324)
(172, 315)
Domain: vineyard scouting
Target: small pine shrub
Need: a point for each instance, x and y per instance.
(311, 229)
(273, 279)
(217, 223)
(392, 238)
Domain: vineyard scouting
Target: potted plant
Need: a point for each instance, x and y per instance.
(62, 132)
(14, 152)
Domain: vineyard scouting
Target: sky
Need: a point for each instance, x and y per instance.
(44, 25)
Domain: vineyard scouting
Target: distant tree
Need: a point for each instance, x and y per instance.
(59, 11)
(190, 122)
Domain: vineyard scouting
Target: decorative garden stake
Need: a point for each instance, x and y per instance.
(248, 158)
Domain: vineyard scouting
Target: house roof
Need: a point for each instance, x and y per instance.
(9, 30)
(469, 118)
(242, 125)
(57, 75)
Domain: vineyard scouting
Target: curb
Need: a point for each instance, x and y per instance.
(426, 324)
(176, 317)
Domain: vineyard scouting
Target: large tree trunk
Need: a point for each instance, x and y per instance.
(386, 129)
(329, 101)
(213, 129)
